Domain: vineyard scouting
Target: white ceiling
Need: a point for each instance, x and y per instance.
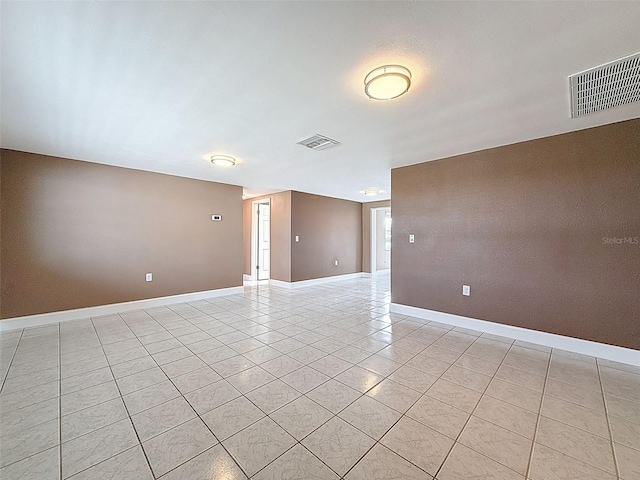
(162, 86)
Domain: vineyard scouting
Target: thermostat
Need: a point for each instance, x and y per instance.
(216, 218)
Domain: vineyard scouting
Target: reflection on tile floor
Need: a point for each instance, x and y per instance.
(317, 382)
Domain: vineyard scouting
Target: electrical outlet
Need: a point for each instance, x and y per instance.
(466, 290)
(336, 263)
(297, 238)
(148, 277)
(412, 238)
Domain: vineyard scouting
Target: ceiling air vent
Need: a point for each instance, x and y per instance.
(318, 142)
(607, 86)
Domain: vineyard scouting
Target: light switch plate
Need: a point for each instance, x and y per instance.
(466, 290)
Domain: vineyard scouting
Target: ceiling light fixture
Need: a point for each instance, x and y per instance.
(223, 160)
(387, 82)
(371, 192)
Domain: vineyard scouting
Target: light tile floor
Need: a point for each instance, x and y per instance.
(319, 382)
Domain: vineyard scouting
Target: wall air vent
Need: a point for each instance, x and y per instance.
(607, 86)
(318, 142)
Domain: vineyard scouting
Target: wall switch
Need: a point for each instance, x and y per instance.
(336, 263)
(216, 217)
(297, 238)
(466, 290)
(412, 238)
(148, 277)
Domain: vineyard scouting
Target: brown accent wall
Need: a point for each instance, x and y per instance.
(280, 224)
(329, 229)
(78, 234)
(523, 225)
(366, 231)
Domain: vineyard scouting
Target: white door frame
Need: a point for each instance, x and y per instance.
(373, 241)
(254, 235)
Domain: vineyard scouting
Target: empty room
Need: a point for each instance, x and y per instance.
(298, 240)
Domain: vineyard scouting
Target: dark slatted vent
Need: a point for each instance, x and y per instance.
(607, 86)
(318, 142)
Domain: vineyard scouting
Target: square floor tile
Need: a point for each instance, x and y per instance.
(149, 397)
(338, 444)
(464, 463)
(273, 395)
(41, 466)
(333, 395)
(92, 418)
(170, 449)
(165, 416)
(207, 398)
(359, 378)
(382, 464)
(250, 379)
(304, 379)
(301, 417)
(129, 464)
(296, 464)
(370, 416)
(258, 445)
(502, 445)
(97, 446)
(418, 444)
(584, 446)
(394, 395)
(233, 416)
(214, 464)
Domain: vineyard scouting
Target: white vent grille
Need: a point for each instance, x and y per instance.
(607, 86)
(318, 142)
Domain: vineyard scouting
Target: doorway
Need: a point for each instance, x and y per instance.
(261, 239)
(380, 241)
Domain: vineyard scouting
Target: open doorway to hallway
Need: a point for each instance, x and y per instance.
(261, 240)
(380, 253)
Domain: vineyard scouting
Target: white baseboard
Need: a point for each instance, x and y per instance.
(316, 281)
(82, 313)
(577, 345)
(247, 278)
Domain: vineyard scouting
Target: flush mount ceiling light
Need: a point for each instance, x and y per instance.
(223, 160)
(387, 82)
(371, 192)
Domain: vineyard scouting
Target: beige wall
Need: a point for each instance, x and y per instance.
(78, 234)
(366, 231)
(329, 229)
(383, 257)
(280, 224)
(523, 225)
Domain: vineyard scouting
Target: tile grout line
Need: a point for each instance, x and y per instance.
(13, 356)
(194, 411)
(456, 440)
(606, 414)
(121, 399)
(535, 431)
